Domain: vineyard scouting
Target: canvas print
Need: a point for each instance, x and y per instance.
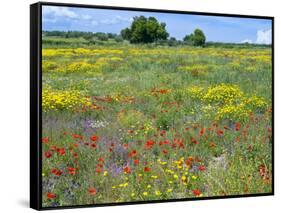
(142, 106)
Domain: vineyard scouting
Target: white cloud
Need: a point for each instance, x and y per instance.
(264, 37)
(50, 20)
(247, 41)
(108, 21)
(86, 17)
(53, 14)
(116, 20)
(94, 22)
(59, 12)
(124, 19)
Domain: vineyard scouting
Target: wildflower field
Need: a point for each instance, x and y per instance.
(125, 123)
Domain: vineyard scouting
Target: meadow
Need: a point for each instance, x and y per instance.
(126, 122)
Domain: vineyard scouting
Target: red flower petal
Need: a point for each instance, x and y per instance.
(51, 195)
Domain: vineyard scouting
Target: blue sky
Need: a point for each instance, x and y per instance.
(218, 29)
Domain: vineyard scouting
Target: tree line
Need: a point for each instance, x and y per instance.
(148, 30)
(141, 30)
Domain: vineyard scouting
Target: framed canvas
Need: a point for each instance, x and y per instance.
(134, 105)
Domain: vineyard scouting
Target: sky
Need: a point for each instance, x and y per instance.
(216, 28)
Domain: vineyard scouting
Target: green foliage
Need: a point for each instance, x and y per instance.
(172, 41)
(78, 38)
(197, 38)
(145, 30)
(101, 36)
(126, 34)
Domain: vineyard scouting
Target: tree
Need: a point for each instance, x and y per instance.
(101, 36)
(111, 35)
(172, 41)
(145, 30)
(197, 38)
(118, 38)
(188, 39)
(126, 33)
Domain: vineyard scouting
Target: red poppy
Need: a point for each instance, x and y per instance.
(75, 145)
(98, 169)
(136, 162)
(262, 170)
(237, 126)
(45, 140)
(202, 131)
(94, 138)
(92, 191)
(93, 145)
(163, 91)
(166, 142)
(75, 155)
(61, 151)
(146, 169)
(127, 169)
(179, 143)
(202, 168)
(174, 145)
(193, 140)
(226, 127)
(76, 136)
(71, 170)
(188, 162)
(48, 154)
(100, 165)
(269, 130)
(196, 192)
(133, 153)
(149, 144)
(165, 151)
(219, 132)
(51, 195)
(125, 146)
(56, 172)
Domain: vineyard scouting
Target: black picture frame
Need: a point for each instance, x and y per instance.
(36, 100)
